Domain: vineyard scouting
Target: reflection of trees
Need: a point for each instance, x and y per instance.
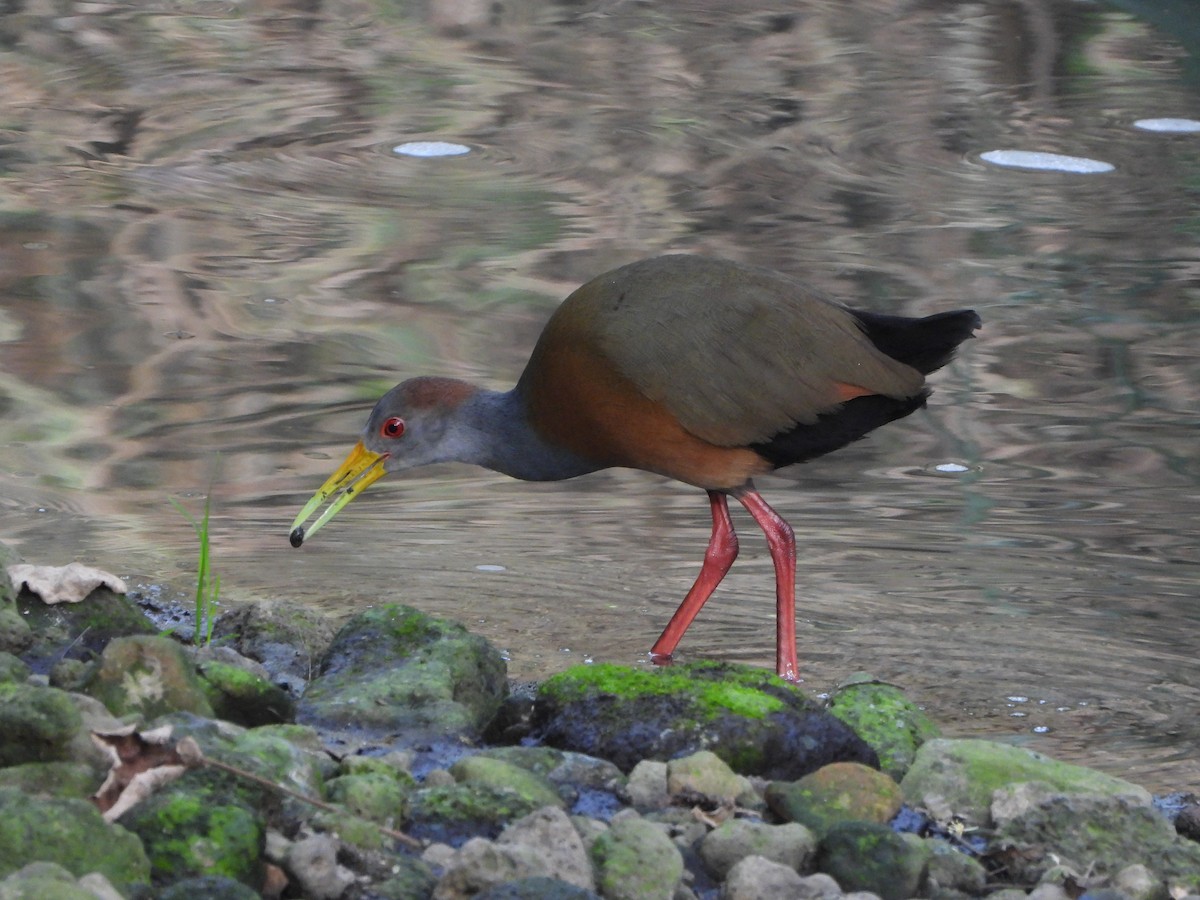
(237, 171)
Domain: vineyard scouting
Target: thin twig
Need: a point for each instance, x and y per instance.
(189, 751)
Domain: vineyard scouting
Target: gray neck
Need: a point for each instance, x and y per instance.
(500, 437)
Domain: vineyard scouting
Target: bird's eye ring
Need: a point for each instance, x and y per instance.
(392, 428)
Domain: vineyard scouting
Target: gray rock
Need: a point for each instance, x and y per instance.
(758, 878)
(481, 864)
(550, 834)
(647, 785)
(819, 887)
(1139, 883)
(951, 870)
(791, 845)
(1049, 892)
(100, 887)
(706, 778)
(312, 862)
(40, 880)
(635, 860)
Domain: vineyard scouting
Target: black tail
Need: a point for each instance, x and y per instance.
(925, 344)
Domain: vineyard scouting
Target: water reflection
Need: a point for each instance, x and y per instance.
(212, 260)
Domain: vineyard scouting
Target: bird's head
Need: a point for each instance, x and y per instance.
(411, 425)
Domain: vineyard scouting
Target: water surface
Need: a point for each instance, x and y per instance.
(213, 261)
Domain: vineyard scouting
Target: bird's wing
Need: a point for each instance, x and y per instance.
(736, 354)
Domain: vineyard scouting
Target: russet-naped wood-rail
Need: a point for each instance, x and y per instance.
(700, 369)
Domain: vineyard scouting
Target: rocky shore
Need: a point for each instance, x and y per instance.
(391, 758)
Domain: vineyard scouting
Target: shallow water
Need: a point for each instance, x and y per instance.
(213, 262)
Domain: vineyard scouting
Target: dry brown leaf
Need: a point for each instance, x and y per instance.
(63, 584)
(142, 762)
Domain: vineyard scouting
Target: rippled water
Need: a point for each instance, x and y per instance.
(213, 260)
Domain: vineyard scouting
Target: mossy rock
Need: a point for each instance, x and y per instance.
(1104, 834)
(882, 716)
(43, 881)
(8, 594)
(635, 860)
(372, 795)
(69, 832)
(288, 639)
(863, 856)
(148, 677)
(37, 724)
(280, 754)
(78, 630)
(453, 813)
(410, 879)
(240, 696)
(394, 674)
(54, 779)
(754, 720)
(567, 771)
(498, 773)
(839, 792)
(12, 667)
(964, 775)
(208, 887)
(15, 634)
(191, 831)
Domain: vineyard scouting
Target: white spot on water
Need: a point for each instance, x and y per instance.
(490, 568)
(427, 149)
(951, 468)
(1046, 162)
(1169, 126)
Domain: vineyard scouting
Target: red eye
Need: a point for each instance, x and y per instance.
(392, 428)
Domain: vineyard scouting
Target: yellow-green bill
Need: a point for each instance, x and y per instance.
(361, 469)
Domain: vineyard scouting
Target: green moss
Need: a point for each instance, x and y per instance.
(481, 770)
(881, 715)
(189, 833)
(634, 859)
(69, 832)
(36, 723)
(240, 696)
(738, 690)
(373, 795)
(476, 805)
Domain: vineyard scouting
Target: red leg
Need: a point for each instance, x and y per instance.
(782, 542)
(722, 551)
